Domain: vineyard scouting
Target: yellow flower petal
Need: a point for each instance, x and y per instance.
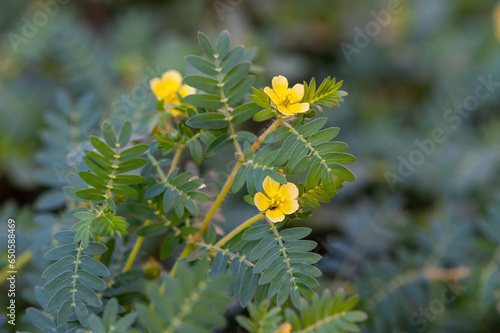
(261, 201)
(271, 187)
(173, 77)
(297, 93)
(288, 206)
(272, 95)
(297, 108)
(186, 90)
(275, 215)
(285, 110)
(280, 85)
(153, 83)
(175, 113)
(284, 328)
(289, 191)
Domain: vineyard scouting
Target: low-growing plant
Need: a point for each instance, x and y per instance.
(131, 187)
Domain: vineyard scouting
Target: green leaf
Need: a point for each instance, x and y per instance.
(257, 232)
(206, 46)
(247, 152)
(198, 196)
(264, 115)
(96, 168)
(63, 314)
(244, 112)
(201, 64)
(101, 147)
(196, 152)
(90, 280)
(167, 246)
(191, 206)
(328, 182)
(93, 266)
(131, 165)
(90, 194)
(294, 233)
(124, 191)
(40, 320)
(279, 134)
(125, 134)
(103, 162)
(108, 134)
(58, 299)
(129, 179)
(342, 172)
(61, 251)
(133, 152)
(222, 45)
(204, 83)
(323, 136)
(211, 102)
(312, 127)
(236, 75)
(93, 180)
(208, 121)
(125, 322)
(240, 90)
(233, 58)
(110, 312)
(244, 136)
(239, 179)
(82, 313)
(218, 145)
(178, 205)
(155, 190)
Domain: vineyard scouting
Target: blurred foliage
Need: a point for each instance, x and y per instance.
(434, 233)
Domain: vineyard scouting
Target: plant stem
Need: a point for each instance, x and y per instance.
(238, 229)
(175, 161)
(223, 192)
(226, 110)
(271, 128)
(135, 250)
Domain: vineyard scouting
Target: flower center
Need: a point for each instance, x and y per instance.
(275, 202)
(286, 101)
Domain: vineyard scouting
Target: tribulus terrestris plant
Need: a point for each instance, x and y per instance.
(131, 186)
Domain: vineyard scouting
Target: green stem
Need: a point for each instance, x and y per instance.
(230, 254)
(135, 250)
(238, 229)
(176, 159)
(226, 109)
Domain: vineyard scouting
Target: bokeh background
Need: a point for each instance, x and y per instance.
(417, 235)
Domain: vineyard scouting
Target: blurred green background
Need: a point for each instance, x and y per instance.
(417, 235)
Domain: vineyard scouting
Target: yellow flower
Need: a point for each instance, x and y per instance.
(277, 200)
(167, 87)
(287, 100)
(284, 328)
